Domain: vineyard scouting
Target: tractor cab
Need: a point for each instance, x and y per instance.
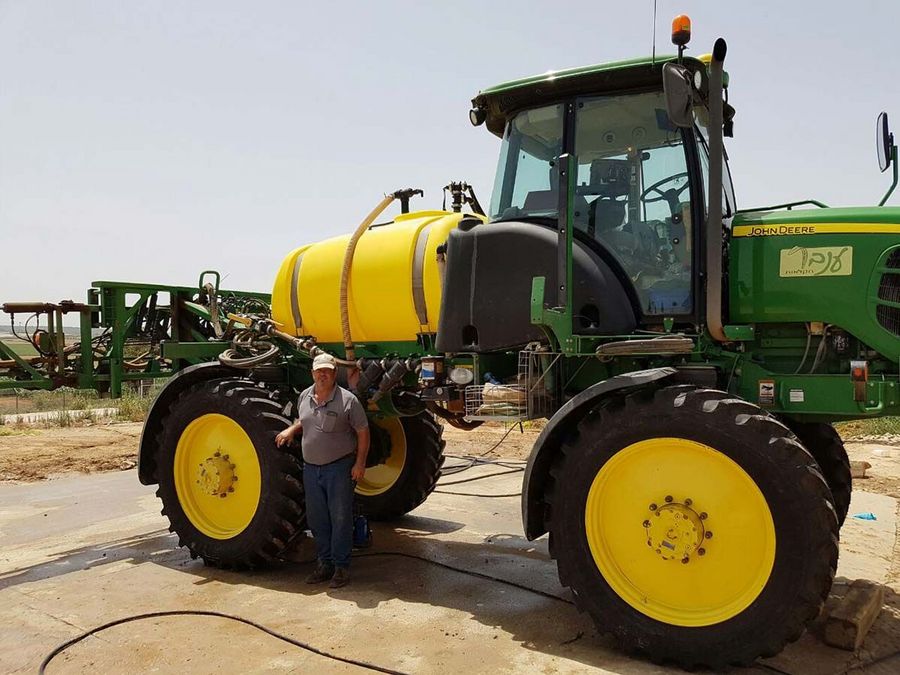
(594, 150)
(638, 190)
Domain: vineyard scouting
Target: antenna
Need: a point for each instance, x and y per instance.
(653, 57)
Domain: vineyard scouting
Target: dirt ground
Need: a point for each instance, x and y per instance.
(30, 454)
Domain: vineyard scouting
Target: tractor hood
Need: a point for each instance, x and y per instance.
(836, 266)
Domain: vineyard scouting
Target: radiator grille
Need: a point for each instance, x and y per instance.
(889, 289)
(893, 259)
(889, 318)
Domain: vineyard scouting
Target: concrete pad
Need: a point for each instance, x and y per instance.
(78, 552)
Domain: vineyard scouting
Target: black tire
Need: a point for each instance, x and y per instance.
(280, 513)
(418, 475)
(827, 448)
(803, 523)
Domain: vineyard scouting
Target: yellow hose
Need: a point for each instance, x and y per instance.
(350, 353)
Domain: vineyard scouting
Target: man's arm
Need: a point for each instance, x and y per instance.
(287, 435)
(360, 424)
(362, 450)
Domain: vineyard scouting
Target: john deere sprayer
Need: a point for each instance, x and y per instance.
(689, 359)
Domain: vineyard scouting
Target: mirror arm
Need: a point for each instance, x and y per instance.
(894, 184)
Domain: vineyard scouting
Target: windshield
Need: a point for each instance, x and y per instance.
(526, 182)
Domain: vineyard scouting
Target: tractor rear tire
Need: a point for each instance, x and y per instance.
(635, 497)
(827, 448)
(232, 497)
(410, 471)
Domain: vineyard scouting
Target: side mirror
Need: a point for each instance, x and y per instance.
(679, 94)
(885, 139)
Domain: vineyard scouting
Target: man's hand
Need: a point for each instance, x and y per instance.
(358, 471)
(285, 436)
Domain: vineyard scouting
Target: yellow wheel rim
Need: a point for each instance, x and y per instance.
(680, 531)
(381, 477)
(217, 476)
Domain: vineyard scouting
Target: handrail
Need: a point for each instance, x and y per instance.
(787, 206)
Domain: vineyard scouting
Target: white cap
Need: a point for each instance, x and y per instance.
(323, 361)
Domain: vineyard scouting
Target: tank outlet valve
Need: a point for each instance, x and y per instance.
(369, 378)
(392, 379)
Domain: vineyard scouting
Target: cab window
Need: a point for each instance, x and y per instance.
(633, 195)
(526, 183)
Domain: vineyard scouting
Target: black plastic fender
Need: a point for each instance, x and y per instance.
(182, 380)
(550, 439)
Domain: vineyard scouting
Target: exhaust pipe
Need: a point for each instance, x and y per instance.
(714, 230)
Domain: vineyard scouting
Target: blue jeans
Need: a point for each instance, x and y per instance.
(329, 509)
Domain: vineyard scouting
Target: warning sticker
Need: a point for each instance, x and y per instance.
(766, 392)
(797, 396)
(824, 261)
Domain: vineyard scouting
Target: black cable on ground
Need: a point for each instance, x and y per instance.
(490, 475)
(481, 575)
(477, 494)
(497, 444)
(298, 643)
(188, 612)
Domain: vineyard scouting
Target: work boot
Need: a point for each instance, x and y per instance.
(323, 572)
(340, 578)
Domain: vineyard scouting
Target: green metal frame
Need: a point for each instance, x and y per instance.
(182, 333)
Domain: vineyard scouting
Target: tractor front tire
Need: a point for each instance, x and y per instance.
(693, 526)
(827, 448)
(232, 497)
(410, 466)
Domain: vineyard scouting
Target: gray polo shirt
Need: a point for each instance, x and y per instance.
(329, 429)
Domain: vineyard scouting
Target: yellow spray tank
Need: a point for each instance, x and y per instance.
(394, 288)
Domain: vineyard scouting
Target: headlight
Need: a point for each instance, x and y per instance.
(461, 376)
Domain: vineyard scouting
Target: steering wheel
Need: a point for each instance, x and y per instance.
(671, 195)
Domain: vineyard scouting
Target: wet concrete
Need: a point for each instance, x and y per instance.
(78, 552)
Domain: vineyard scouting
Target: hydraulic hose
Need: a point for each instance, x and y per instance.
(350, 353)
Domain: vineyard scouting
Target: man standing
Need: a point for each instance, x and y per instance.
(334, 443)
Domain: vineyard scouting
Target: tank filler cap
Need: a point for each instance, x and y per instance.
(468, 223)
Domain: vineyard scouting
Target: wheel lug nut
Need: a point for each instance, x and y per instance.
(224, 456)
(708, 535)
(701, 551)
(222, 495)
(653, 507)
(233, 467)
(685, 560)
(231, 489)
(668, 499)
(688, 502)
(703, 515)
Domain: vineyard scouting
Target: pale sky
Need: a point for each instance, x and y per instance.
(148, 141)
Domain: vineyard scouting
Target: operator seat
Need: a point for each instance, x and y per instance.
(606, 214)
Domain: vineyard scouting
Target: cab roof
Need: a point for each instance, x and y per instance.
(504, 100)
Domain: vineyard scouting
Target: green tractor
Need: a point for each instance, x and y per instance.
(690, 359)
